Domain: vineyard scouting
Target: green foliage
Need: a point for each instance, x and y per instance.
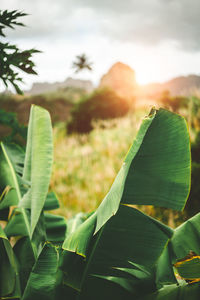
(116, 251)
(12, 59)
(101, 104)
(8, 120)
(58, 104)
(173, 103)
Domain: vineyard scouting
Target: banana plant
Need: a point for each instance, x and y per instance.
(25, 181)
(116, 251)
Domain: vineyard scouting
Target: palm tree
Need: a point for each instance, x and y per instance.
(81, 63)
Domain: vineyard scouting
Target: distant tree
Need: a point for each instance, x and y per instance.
(12, 59)
(81, 63)
(102, 104)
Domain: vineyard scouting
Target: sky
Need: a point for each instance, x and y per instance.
(159, 39)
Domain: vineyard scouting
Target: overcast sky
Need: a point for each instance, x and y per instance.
(159, 39)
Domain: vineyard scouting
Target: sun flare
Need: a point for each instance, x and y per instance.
(145, 76)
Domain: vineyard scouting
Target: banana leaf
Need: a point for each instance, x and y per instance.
(8, 178)
(9, 281)
(4, 212)
(38, 163)
(145, 167)
(186, 239)
(42, 281)
(51, 202)
(76, 221)
(16, 155)
(181, 291)
(55, 228)
(189, 268)
(156, 170)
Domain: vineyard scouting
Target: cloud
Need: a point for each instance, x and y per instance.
(144, 22)
(150, 22)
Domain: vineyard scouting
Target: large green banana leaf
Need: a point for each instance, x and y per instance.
(42, 281)
(135, 279)
(122, 236)
(8, 177)
(16, 155)
(189, 269)
(4, 212)
(182, 291)
(76, 221)
(37, 170)
(38, 163)
(99, 288)
(156, 171)
(51, 202)
(186, 238)
(16, 225)
(184, 241)
(129, 236)
(170, 182)
(69, 262)
(26, 250)
(164, 273)
(11, 162)
(118, 243)
(55, 228)
(25, 258)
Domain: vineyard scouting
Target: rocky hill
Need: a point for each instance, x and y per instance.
(183, 85)
(46, 87)
(120, 78)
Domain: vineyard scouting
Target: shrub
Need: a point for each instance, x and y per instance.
(102, 104)
(114, 252)
(174, 103)
(10, 129)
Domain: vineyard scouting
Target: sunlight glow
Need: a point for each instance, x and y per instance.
(145, 76)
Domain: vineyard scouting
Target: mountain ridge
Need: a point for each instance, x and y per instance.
(121, 78)
(44, 87)
(182, 85)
